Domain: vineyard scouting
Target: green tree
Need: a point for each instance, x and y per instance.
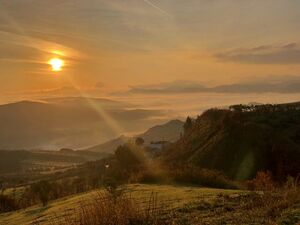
(139, 141)
(130, 157)
(42, 190)
(2, 187)
(188, 124)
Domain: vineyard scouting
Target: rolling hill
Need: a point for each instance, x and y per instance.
(71, 122)
(109, 146)
(169, 131)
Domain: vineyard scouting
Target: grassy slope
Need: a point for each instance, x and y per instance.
(192, 205)
(171, 196)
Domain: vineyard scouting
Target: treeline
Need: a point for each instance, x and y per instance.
(266, 108)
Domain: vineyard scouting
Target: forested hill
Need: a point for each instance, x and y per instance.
(242, 140)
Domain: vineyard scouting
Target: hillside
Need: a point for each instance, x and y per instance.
(56, 211)
(73, 122)
(169, 131)
(109, 146)
(242, 140)
(184, 204)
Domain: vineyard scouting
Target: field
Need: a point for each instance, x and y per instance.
(191, 205)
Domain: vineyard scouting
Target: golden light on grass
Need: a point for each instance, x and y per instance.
(56, 64)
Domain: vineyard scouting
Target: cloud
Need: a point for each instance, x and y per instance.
(96, 90)
(157, 8)
(33, 52)
(266, 54)
(282, 84)
(180, 86)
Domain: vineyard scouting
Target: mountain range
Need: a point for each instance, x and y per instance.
(71, 122)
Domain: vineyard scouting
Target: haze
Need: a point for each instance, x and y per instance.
(167, 54)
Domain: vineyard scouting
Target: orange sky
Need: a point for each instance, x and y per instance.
(109, 47)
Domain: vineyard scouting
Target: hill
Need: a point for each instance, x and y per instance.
(57, 211)
(109, 146)
(242, 140)
(183, 204)
(73, 122)
(169, 131)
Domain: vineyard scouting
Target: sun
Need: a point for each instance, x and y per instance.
(56, 64)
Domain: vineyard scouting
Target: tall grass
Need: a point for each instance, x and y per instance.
(269, 207)
(106, 209)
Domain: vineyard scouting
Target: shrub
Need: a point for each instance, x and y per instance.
(113, 189)
(7, 204)
(42, 189)
(150, 176)
(271, 205)
(130, 158)
(139, 141)
(262, 182)
(199, 176)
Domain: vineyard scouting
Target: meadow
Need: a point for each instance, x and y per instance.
(184, 204)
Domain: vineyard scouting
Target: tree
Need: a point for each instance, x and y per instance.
(129, 157)
(42, 189)
(7, 203)
(2, 187)
(139, 141)
(188, 124)
(237, 108)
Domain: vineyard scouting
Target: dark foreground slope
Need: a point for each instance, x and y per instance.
(242, 140)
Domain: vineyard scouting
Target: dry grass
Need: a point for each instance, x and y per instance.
(259, 208)
(106, 209)
(172, 205)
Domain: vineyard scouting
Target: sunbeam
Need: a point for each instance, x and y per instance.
(109, 120)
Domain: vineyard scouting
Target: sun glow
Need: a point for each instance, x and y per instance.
(56, 64)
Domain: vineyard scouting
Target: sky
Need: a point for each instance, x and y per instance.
(171, 54)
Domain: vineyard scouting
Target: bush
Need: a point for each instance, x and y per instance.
(262, 182)
(183, 175)
(7, 204)
(203, 177)
(150, 177)
(42, 189)
(271, 205)
(130, 158)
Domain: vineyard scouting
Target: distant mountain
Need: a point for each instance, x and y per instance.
(242, 140)
(73, 122)
(169, 131)
(109, 146)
